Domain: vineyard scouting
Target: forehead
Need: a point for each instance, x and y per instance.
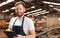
(19, 6)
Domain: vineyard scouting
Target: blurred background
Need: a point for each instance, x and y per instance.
(44, 13)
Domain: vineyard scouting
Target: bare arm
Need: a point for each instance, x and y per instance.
(32, 34)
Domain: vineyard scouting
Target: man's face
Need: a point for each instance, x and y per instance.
(19, 10)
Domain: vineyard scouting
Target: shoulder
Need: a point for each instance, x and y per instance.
(28, 19)
(13, 18)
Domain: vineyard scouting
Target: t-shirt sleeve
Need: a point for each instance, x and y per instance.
(11, 23)
(31, 25)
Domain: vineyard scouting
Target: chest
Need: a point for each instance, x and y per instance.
(19, 22)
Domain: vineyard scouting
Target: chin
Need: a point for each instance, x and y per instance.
(20, 15)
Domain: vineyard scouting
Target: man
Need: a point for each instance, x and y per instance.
(21, 25)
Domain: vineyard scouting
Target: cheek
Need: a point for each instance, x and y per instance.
(22, 11)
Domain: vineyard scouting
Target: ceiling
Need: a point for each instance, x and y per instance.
(37, 3)
(2, 1)
(58, 1)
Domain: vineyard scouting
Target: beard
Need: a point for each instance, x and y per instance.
(19, 15)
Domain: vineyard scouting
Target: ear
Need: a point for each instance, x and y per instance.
(24, 9)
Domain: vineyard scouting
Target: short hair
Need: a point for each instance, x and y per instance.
(17, 3)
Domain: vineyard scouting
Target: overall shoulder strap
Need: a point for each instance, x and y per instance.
(14, 21)
(22, 21)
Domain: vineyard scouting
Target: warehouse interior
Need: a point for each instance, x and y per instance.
(44, 13)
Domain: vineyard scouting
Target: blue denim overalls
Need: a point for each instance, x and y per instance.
(18, 29)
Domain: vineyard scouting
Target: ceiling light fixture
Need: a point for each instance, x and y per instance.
(46, 2)
(5, 11)
(8, 1)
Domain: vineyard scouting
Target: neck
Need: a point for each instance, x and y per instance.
(21, 17)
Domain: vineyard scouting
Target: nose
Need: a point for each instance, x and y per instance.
(18, 10)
